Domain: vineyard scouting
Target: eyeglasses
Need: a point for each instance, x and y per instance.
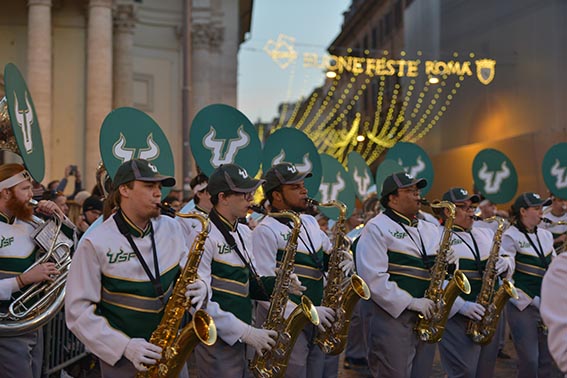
(413, 191)
(465, 207)
(247, 196)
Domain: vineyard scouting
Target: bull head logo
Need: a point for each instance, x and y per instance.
(304, 167)
(493, 180)
(220, 153)
(331, 190)
(25, 118)
(416, 169)
(362, 182)
(558, 172)
(123, 153)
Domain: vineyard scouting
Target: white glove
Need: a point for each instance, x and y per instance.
(347, 265)
(260, 339)
(422, 305)
(452, 257)
(197, 292)
(141, 353)
(472, 310)
(535, 302)
(326, 317)
(295, 286)
(501, 265)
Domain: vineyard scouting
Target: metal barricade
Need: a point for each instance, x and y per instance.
(61, 347)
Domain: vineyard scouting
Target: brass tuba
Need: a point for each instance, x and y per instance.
(431, 329)
(482, 331)
(341, 292)
(177, 346)
(273, 363)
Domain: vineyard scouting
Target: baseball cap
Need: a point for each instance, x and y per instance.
(529, 199)
(283, 173)
(458, 195)
(140, 170)
(92, 203)
(231, 177)
(400, 180)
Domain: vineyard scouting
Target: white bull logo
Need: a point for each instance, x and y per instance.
(362, 182)
(330, 191)
(558, 172)
(217, 146)
(304, 167)
(493, 180)
(123, 153)
(416, 169)
(25, 118)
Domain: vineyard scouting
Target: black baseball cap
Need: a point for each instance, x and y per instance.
(400, 180)
(92, 203)
(283, 173)
(529, 199)
(232, 177)
(459, 195)
(140, 170)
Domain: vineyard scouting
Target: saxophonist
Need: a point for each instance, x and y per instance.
(393, 255)
(124, 271)
(460, 356)
(284, 188)
(20, 356)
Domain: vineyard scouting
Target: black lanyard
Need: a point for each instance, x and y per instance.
(155, 279)
(427, 262)
(539, 251)
(223, 228)
(475, 251)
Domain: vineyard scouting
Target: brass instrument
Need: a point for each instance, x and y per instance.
(177, 346)
(482, 331)
(431, 329)
(40, 301)
(551, 223)
(341, 292)
(273, 363)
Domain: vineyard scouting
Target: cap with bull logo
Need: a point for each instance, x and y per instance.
(283, 173)
(231, 178)
(140, 170)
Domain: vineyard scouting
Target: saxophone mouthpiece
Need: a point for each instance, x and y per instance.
(546, 220)
(33, 203)
(423, 201)
(166, 208)
(476, 218)
(257, 208)
(312, 202)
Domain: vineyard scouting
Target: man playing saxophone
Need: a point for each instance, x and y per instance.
(285, 190)
(22, 355)
(124, 271)
(460, 356)
(394, 253)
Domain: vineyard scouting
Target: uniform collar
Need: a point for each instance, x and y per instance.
(231, 227)
(457, 228)
(135, 230)
(198, 208)
(6, 219)
(402, 219)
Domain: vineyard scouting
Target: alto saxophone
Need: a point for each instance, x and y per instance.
(431, 329)
(273, 363)
(342, 292)
(177, 346)
(481, 331)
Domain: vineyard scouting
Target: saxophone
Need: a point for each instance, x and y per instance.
(177, 347)
(431, 329)
(563, 247)
(273, 363)
(482, 331)
(341, 293)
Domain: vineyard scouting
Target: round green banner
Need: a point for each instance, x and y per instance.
(336, 184)
(25, 124)
(128, 133)
(414, 161)
(554, 168)
(385, 169)
(360, 173)
(495, 176)
(220, 134)
(293, 146)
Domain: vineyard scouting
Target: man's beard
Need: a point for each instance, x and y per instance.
(19, 209)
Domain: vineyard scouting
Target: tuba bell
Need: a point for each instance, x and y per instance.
(20, 134)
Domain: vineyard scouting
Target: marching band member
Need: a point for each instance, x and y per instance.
(228, 266)
(285, 190)
(532, 249)
(393, 254)
(203, 205)
(123, 272)
(556, 212)
(460, 356)
(20, 356)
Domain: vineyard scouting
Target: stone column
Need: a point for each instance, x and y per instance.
(201, 61)
(39, 75)
(99, 79)
(216, 64)
(124, 22)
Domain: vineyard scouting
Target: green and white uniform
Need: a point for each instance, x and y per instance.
(110, 298)
(556, 230)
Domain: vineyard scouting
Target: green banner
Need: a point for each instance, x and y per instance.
(336, 184)
(25, 124)
(129, 133)
(554, 169)
(495, 176)
(414, 161)
(293, 146)
(360, 173)
(220, 134)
